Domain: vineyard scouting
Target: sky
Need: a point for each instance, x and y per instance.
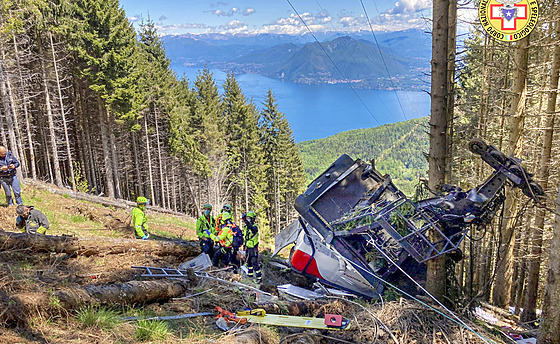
(174, 17)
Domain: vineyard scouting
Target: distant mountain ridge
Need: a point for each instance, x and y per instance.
(397, 149)
(299, 60)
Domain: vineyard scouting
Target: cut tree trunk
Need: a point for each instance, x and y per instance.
(133, 292)
(95, 246)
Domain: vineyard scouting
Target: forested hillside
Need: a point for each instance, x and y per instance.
(398, 149)
(90, 104)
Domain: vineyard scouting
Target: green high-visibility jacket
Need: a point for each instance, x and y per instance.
(139, 221)
(250, 235)
(205, 227)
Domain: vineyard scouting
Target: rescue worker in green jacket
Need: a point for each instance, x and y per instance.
(205, 230)
(225, 240)
(31, 220)
(139, 220)
(251, 240)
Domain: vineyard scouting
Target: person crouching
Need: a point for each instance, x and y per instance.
(31, 220)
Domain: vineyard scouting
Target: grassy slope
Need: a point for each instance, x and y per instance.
(80, 218)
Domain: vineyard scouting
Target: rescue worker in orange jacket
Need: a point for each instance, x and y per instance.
(225, 209)
(225, 240)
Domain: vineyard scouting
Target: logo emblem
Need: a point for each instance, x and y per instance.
(508, 20)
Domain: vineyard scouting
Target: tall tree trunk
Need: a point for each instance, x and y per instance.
(149, 157)
(451, 47)
(504, 268)
(63, 117)
(136, 162)
(25, 113)
(530, 304)
(550, 322)
(8, 114)
(160, 162)
(12, 121)
(50, 118)
(110, 187)
(114, 157)
(436, 275)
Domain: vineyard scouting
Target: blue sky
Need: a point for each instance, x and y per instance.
(276, 16)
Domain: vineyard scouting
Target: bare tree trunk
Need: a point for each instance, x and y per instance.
(25, 113)
(94, 246)
(13, 123)
(114, 157)
(50, 117)
(436, 274)
(149, 157)
(550, 322)
(138, 177)
(63, 117)
(504, 269)
(133, 292)
(7, 108)
(530, 304)
(110, 187)
(160, 163)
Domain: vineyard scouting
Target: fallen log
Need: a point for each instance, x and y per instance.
(95, 246)
(133, 292)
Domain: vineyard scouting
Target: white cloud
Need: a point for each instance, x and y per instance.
(180, 28)
(248, 11)
(229, 13)
(233, 25)
(410, 6)
(134, 18)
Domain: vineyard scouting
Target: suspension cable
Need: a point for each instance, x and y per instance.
(334, 64)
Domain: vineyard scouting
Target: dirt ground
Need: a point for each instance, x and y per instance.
(30, 312)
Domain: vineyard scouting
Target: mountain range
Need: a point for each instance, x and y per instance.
(338, 58)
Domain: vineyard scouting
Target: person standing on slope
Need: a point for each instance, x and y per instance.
(251, 240)
(8, 178)
(205, 229)
(139, 220)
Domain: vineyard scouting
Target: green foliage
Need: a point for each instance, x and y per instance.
(149, 330)
(103, 318)
(81, 182)
(398, 149)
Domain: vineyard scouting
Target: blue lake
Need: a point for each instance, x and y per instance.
(317, 111)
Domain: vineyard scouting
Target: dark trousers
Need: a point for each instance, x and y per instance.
(207, 246)
(253, 262)
(223, 255)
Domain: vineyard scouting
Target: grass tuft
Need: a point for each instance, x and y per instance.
(152, 330)
(102, 318)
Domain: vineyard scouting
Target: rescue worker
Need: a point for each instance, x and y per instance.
(251, 240)
(8, 178)
(139, 220)
(226, 208)
(205, 229)
(31, 220)
(225, 240)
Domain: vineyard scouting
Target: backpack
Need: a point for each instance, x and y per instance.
(237, 237)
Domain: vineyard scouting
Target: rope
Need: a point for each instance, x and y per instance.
(383, 59)
(457, 320)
